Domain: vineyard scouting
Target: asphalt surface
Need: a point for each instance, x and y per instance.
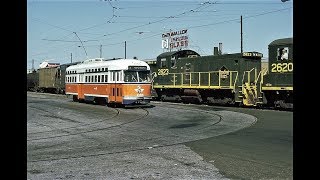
(263, 151)
(68, 140)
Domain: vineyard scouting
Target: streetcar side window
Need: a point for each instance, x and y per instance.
(118, 74)
(106, 78)
(113, 76)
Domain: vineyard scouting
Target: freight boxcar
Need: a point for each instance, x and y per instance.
(32, 81)
(52, 79)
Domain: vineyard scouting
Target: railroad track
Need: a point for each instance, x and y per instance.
(176, 138)
(87, 127)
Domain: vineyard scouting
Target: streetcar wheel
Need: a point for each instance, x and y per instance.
(75, 98)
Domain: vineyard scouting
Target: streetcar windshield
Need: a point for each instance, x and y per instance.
(137, 76)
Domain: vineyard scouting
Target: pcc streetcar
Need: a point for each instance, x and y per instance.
(121, 82)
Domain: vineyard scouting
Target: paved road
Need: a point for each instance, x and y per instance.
(263, 151)
(68, 140)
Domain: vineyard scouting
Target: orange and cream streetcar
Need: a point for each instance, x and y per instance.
(114, 82)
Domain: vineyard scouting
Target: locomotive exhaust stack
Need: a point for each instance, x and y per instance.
(217, 50)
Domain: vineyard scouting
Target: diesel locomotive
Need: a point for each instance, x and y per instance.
(228, 79)
(277, 84)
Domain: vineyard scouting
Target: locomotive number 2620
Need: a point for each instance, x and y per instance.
(282, 67)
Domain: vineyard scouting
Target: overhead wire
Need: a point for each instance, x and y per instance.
(216, 23)
(153, 22)
(62, 39)
(164, 18)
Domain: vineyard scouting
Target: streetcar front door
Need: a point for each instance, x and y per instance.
(115, 95)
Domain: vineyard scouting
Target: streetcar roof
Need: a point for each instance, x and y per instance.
(118, 64)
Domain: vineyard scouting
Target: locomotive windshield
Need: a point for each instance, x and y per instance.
(282, 53)
(137, 76)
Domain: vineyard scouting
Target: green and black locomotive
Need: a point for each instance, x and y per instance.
(277, 84)
(185, 76)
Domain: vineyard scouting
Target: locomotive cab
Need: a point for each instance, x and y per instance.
(278, 81)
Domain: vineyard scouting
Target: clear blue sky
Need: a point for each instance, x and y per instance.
(55, 29)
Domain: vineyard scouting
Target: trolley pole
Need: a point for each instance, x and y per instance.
(100, 50)
(170, 41)
(125, 49)
(241, 34)
(32, 64)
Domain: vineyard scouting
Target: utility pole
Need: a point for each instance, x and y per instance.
(71, 57)
(125, 49)
(241, 35)
(100, 50)
(32, 64)
(170, 41)
(164, 31)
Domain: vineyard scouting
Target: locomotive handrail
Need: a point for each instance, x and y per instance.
(153, 75)
(235, 80)
(244, 73)
(249, 72)
(262, 76)
(256, 81)
(175, 78)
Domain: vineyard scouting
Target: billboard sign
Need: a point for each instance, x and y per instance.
(175, 39)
